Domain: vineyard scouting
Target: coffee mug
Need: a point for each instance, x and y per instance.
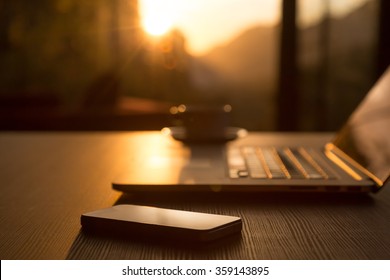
(202, 122)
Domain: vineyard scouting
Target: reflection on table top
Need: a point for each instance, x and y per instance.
(49, 179)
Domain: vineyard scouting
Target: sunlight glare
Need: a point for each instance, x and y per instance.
(157, 17)
(157, 25)
(207, 24)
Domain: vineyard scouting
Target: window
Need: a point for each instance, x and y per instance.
(72, 60)
(337, 43)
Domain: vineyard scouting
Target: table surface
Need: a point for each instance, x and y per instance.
(49, 179)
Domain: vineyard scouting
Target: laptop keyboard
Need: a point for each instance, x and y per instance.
(274, 163)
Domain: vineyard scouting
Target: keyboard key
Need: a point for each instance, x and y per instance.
(310, 171)
(274, 163)
(256, 169)
(290, 166)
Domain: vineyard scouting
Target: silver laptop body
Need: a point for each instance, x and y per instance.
(356, 160)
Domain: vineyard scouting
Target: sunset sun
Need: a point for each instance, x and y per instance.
(157, 24)
(204, 23)
(157, 17)
(207, 24)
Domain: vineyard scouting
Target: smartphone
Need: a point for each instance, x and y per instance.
(134, 221)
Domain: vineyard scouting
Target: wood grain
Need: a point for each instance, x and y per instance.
(49, 179)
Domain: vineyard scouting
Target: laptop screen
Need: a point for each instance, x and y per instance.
(366, 136)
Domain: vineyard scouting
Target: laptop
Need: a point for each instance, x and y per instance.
(356, 160)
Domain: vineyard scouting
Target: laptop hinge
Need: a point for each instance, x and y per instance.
(350, 166)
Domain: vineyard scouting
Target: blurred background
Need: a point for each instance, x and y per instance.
(296, 65)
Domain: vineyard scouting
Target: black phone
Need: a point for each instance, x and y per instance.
(153, 222)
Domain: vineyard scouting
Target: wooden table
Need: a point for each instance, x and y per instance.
(49, 179)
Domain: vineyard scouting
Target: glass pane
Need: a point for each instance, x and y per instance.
(337, 44)
(93, 55)
(228, 50)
